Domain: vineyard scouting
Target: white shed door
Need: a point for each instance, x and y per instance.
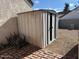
(50, 28)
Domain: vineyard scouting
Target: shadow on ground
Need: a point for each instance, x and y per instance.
(15, 53)
(72, 54)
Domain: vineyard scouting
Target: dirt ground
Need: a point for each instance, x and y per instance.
(72, 54)
(66, 40)
(63, 45)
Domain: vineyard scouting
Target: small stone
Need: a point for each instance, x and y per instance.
(59, 56)
(55, 58)
(25, 58)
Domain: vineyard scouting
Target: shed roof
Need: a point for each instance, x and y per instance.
(73, 15)
(44, 10)
(50, 11)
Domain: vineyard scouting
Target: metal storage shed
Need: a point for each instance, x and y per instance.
(38, 26)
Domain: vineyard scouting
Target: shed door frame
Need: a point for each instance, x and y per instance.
(50, 28)
(46, 28)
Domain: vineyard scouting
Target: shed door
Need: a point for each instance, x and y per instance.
(50, 28)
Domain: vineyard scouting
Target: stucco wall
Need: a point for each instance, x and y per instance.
(9, 27)
(9, 8)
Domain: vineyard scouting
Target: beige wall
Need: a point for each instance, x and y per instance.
(9, 27)
(9, 8)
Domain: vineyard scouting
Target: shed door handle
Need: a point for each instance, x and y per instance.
(50, 28)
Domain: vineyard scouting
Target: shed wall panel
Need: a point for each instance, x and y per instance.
(44, 30)
(30, 24)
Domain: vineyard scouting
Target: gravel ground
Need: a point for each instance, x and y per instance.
(72, 54)
(66, 40)
(43, 54)
(14, 53)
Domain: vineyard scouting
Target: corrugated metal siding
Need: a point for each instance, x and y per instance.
(44, 41)
(30, 24)
(35, 25)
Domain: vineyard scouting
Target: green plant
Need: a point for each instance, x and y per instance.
(66, 8)
(11, 40)
(21, 41)
(16, 40)
(3, 46)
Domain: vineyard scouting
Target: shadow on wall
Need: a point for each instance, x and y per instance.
(9, 26)
(72, 54)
